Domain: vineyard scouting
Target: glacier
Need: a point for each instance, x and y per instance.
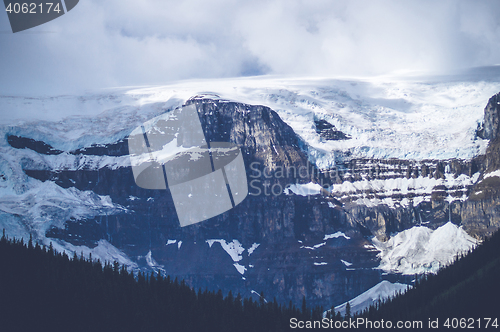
(386, 117)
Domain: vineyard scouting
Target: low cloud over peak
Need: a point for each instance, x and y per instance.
(116, 42)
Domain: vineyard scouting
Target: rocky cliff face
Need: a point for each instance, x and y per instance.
(491, 126)
(481, 212)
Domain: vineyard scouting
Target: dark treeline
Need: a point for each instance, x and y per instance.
(42, 290)
(468, 288)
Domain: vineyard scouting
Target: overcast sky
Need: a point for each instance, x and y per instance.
(122, 42)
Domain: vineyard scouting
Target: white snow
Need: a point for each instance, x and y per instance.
(494, 173)
(241, 269)
(335, 235)
(171, 242)
(254, 292)
(421, 187)
(346, 263)
(252, 248)
(420, 249)
(320, 263)
(45, 204)
(104, 251)
(308, 189)
(386, 117)
(381, 291)
(233, 248)
(150, 260)
(179, 244)
(314, 247)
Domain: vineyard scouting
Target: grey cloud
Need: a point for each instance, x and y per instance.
(113, 43)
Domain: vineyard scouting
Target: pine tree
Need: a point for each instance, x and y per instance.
(262, 299)
(305, 312)
(348, 310)
(30, 243)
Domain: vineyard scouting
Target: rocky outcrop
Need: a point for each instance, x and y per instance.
(491, 126)
(481, 212)
(329, 132)
(29, 143)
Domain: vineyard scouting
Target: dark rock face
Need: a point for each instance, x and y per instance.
(294, 258)
(261, 134)
(29, 143)
(491, 126)
(116, 149)
(329, 132)
(481, 212)
(382, 211)
(119, 148)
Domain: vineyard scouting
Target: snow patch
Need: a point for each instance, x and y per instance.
(234, 248)
(150, 260)
(381, 291)
(46, 204)
(241, 269)
(252, 248)
(308, 189)
(320, 263)
(420, 249)
(104, 251)
(335, 235)
(262, 297)
(491, 174)
(314, 247)
(346, 263)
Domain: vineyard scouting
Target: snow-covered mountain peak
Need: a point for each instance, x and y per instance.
(386, 118)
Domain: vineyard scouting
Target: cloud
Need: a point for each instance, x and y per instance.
(117, 42)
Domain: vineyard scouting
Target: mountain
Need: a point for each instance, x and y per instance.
(335, 168)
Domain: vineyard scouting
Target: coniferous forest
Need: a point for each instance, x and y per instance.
(42, 290)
